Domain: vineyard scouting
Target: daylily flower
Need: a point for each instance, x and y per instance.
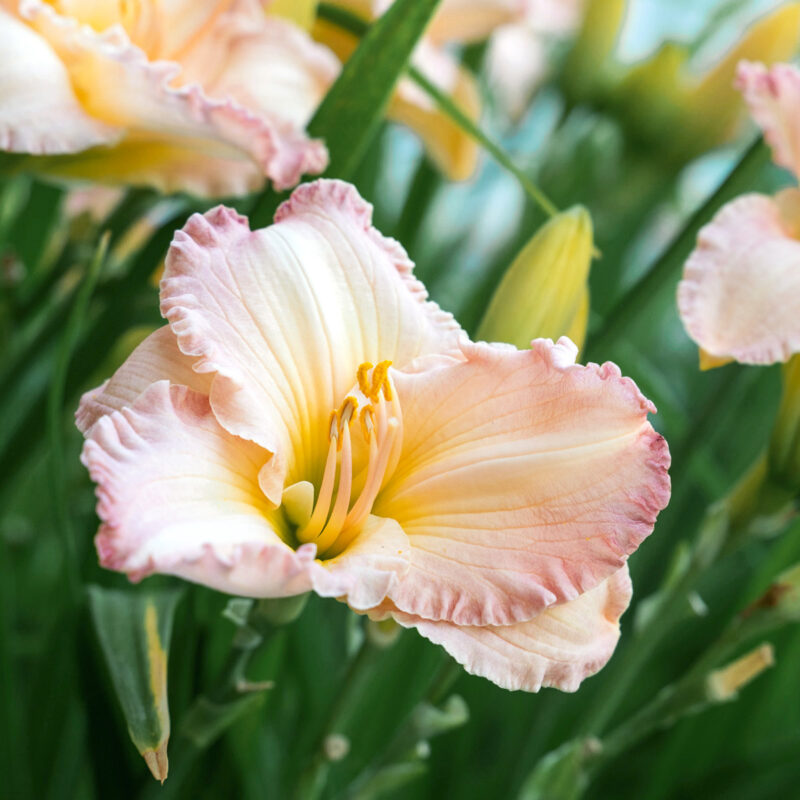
(740, 294)
(308, 420)
(208, 96)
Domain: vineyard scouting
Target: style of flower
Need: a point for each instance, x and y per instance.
(209, 96)
(308, 420)
(740, 294)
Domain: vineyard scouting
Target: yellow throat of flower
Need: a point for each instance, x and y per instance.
(373, 412)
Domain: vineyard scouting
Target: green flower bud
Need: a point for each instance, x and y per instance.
(545, 291)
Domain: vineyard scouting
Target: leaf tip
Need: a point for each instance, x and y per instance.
(157, 761)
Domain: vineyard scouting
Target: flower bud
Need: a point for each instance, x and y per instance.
(783, 456)
(545, 292)
(724, 684)
(780, 604)
(684, 114)
(589, 59)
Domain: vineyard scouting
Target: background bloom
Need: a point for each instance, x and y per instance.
(208, 97)
(740, 294)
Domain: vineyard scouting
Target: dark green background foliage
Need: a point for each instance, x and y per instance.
(64, 735)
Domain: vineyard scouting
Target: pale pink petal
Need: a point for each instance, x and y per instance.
(178, 494)
(176, 138)
(268, 65)
(368, 568)
(282, 317)
(157, 358)
(773, 96)
(39, 112)
(740, 293)
(558, 648)
(523, 482)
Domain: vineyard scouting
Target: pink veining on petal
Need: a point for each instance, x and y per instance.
(524, 481)
(740, 292)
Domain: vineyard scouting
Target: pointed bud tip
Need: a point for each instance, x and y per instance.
(157, 762)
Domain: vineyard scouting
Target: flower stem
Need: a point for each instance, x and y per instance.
(312, 781)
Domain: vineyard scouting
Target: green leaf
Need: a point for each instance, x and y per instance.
(352, 110)
(355, 105)
(350, 22)
(134, 628)
(560, 775)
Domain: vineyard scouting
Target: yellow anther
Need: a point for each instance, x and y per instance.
(347, 410)
(367, 419)
(379, 379)
(363, 371)
(345, 415)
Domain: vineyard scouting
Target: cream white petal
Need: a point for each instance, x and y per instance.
(282, 317)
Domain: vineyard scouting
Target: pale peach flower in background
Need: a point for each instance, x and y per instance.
(740, 294)
(308, 420)
(208, 96)
(518, 57)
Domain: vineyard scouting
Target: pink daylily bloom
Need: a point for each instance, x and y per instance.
(209, 97)
(740, 294)
(309, 421)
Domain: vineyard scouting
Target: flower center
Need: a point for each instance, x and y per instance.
(374, 412)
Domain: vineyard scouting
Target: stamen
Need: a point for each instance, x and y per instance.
(344, 415)
(375, 474)
(339, 513)
(380, 421)
(367, 419)
(314, 525)
(379, 375)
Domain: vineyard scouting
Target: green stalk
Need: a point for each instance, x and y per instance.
(312, 781)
